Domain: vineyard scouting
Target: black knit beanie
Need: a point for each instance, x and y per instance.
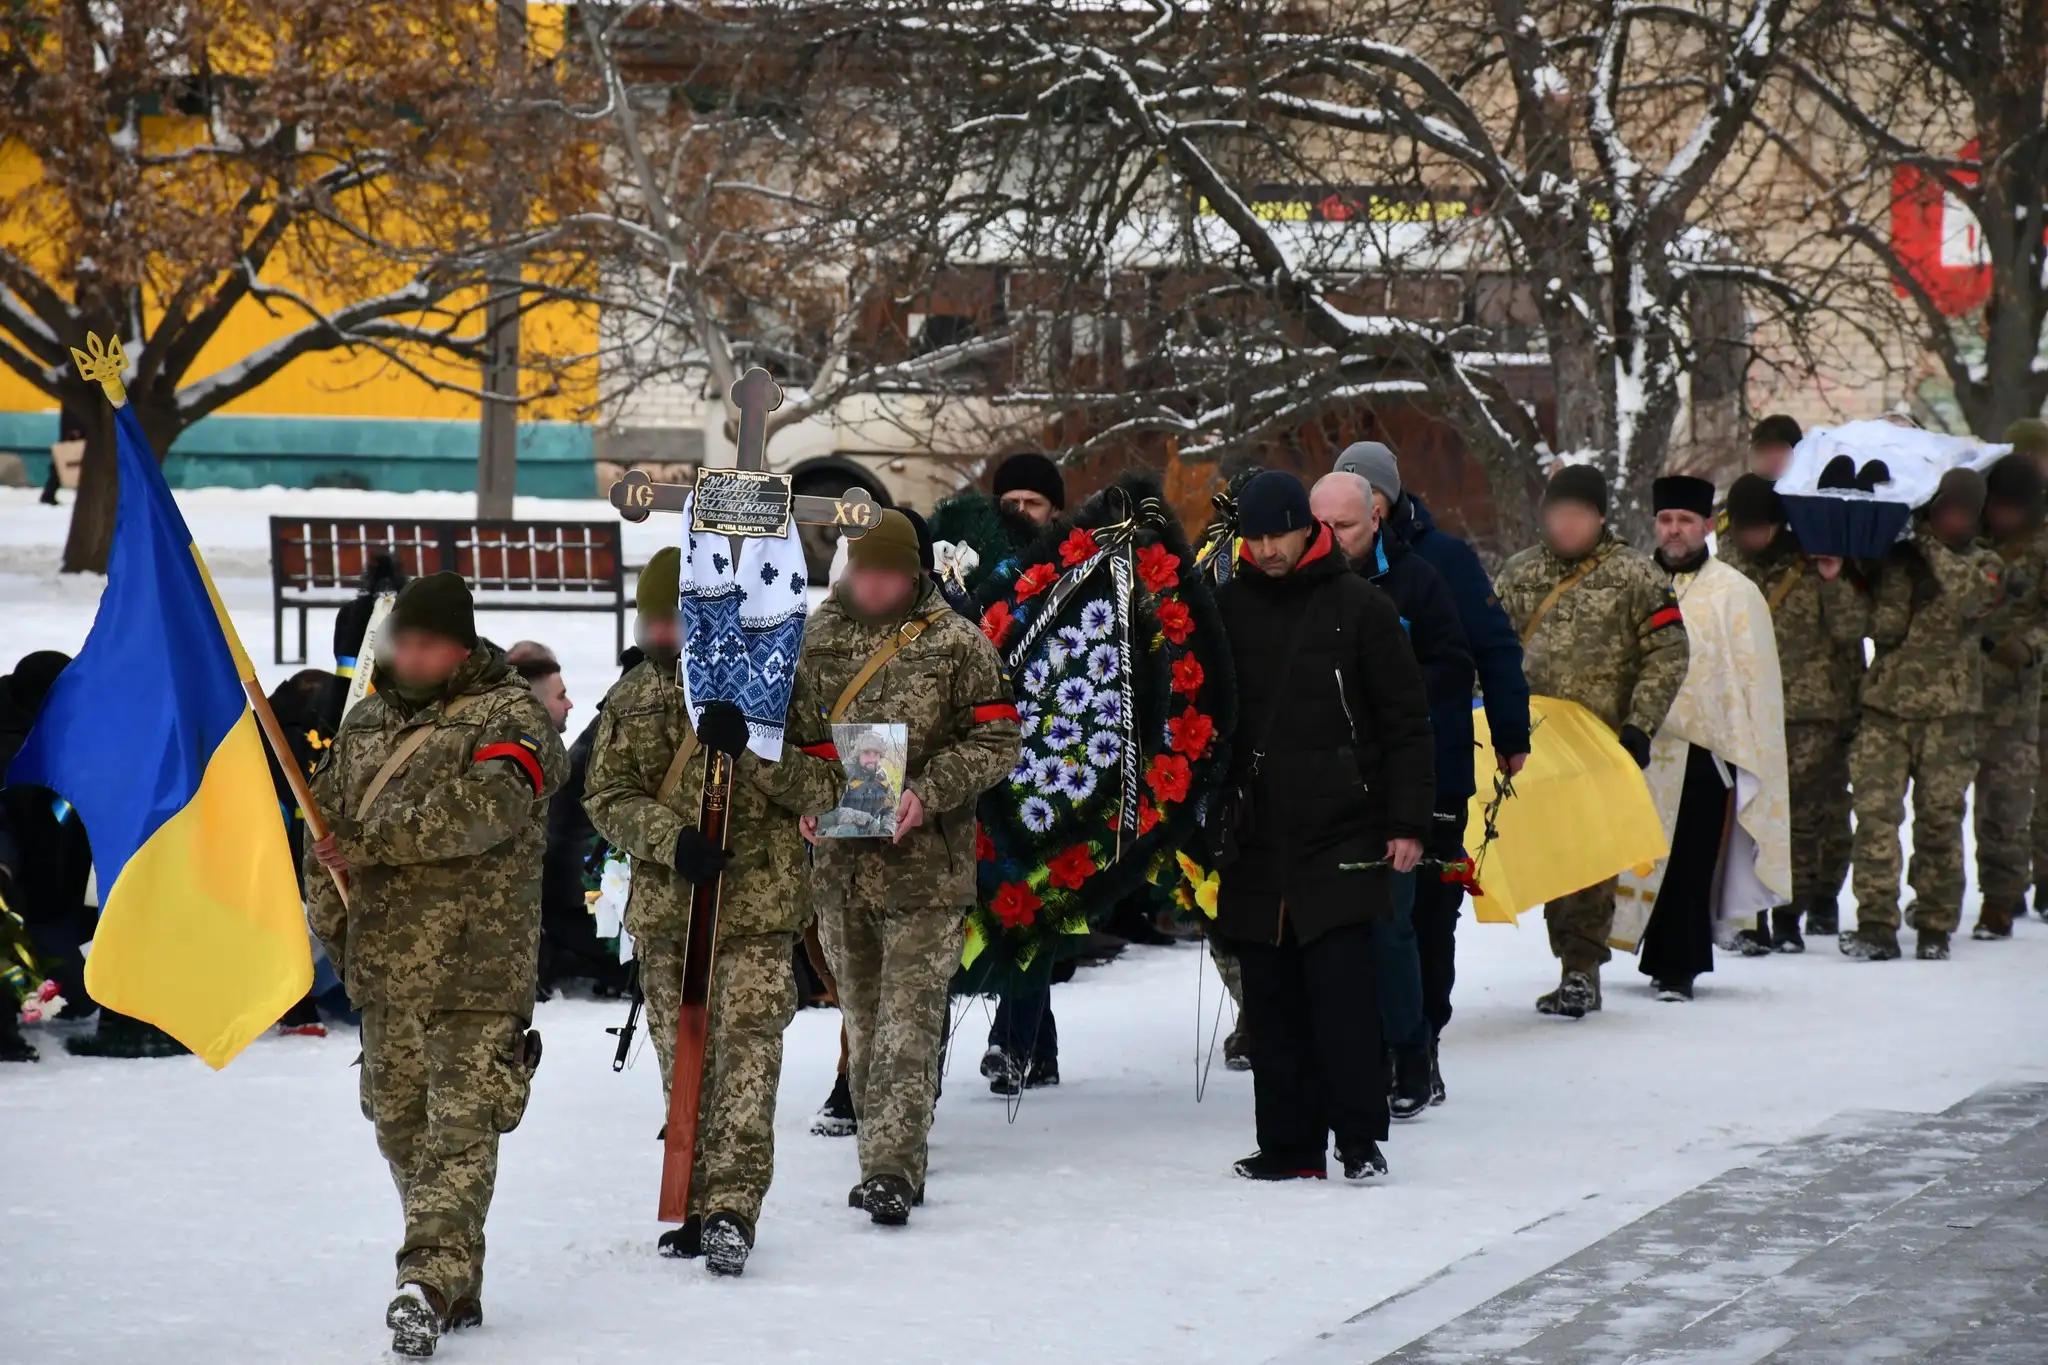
(1754, 501)
(1034, 473)
(439, 603)
(1578, 483)
(2015, 482)
(1271, 504)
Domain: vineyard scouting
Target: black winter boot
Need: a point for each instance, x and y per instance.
(1823, 920)
(1363, 1163)
(1873, 943)
(685, 1243)
(1931, 945)
(888, 1200)
(728, 1238)
(1411, 1093)
(1260, 1166)
(1785, 930)
(414, 1318)
(1437, 1094)
(836, 1118)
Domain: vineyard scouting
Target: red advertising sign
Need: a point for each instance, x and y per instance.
(1938, 240)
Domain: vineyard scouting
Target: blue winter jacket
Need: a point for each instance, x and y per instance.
(1496, 651)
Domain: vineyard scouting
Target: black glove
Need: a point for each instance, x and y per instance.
(697, 858)
(1638, 745)
(722, 727)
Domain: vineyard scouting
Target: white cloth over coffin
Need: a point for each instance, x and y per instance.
(742, 627)
(1733, 706)
(1916, 460)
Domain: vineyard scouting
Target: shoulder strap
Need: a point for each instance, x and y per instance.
(407, 747)
(1782, 589)
(1564, 585)
(673, 778)
(890, 648)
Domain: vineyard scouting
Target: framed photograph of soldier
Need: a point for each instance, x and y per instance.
(874, 757)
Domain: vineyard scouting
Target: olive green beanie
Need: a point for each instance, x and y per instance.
(891, 545)
(660, 584)
(438, 603)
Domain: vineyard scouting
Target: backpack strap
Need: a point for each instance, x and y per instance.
(1782, 589)
(904, 635)
(407, 747)
(673, 778)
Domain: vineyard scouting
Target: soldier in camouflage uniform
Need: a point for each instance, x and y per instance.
(1770, 450)
(2014, 639)
(2029, 437)
(890, 912)
(1599, 627)
(439, 939)
(764, 903)
(1820, 616)
(1919, 725)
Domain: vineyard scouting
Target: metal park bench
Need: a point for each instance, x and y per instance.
(509, 565)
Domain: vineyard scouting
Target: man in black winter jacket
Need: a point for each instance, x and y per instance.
(1344, 503)
(1332, 758)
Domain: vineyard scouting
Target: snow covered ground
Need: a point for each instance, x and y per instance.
(157, 1212)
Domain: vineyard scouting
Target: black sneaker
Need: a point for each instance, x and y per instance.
(1675, 990)
(1931, 945)
(415, 1322)
(1785, 936)
(836, 1118)
(1823, 919)
(727, 1240)
(888, 1200)
(1752, 943)
(685, 1243)
(1436, 1074)
(1877, 943)
(1364, 1163)
(1259, 1166)
(1412, 1085)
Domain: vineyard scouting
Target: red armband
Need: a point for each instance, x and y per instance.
(994, 710)
(521, 753)
(1666, 616)
(826, 750)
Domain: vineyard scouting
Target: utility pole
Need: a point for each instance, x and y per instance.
(497, 450)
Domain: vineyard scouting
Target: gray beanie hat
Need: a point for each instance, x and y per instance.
(1375, 463)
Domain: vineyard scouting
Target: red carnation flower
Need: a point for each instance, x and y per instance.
(1187, 674)
(1176, 621)
(1078, 545)
(1071, 868)
(996, 623)
(984, 847)
(1158, 568)
(1148, 816)
(1168, 777)
(1191, 732)
(1014, 905)
(1035, 580)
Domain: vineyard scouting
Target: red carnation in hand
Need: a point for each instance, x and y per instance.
(984, 847)
(996, 623)
(1078, 546)
(1014, 905)
(1191, 732)
(1035, 580)
(1176, 622)
(1158, 568)
(1187, 674)
(1168, 777)
(1071, 868)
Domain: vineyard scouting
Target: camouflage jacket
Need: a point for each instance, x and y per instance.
(444, 869)
(947, 686)
(2021, 615)
(1820, 627)
(1614, 642)
(1927, 626)
(766, 888)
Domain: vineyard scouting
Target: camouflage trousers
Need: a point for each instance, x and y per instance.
(1580, 925)
(893, 968)
(441, 1086)
(1229, 969)
(753, 998)
(1817, 772)
(1938, 758)
(2004, 809)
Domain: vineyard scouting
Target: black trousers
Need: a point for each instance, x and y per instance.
(1436, 919)
(1312, 1018)
(1678, 942)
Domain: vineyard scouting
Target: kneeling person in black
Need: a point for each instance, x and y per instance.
(1332, 764)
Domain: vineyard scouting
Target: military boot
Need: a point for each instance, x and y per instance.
(464, 1313)
(1931, 945)
(1872, 943)
(1753, 942)
(1785, 937)
(888, 1200)
(728, 1238)
(1237, 1053)
(685, 1243)
(414, 1318)
(836, 1118)
(1576, 996)
(1823, 920)
(1995, 921)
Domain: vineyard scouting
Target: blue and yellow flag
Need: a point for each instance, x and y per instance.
(148, 733)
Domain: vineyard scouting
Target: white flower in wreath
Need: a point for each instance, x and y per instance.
(1074, 695)
(1045, 775)
(1055, 651)
(1103, 663)
(1027, 715)
(1025, 772)
(1036, 674)
(1077, 783)
(1071, 640)
(1036, 813)
(1062, 732)
(1098, 619)
(1109, 708)
(1105, 747)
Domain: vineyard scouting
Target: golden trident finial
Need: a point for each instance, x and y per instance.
(103, 364)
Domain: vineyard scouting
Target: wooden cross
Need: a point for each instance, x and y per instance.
(763, 503)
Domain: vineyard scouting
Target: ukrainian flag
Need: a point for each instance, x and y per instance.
(149, 735)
